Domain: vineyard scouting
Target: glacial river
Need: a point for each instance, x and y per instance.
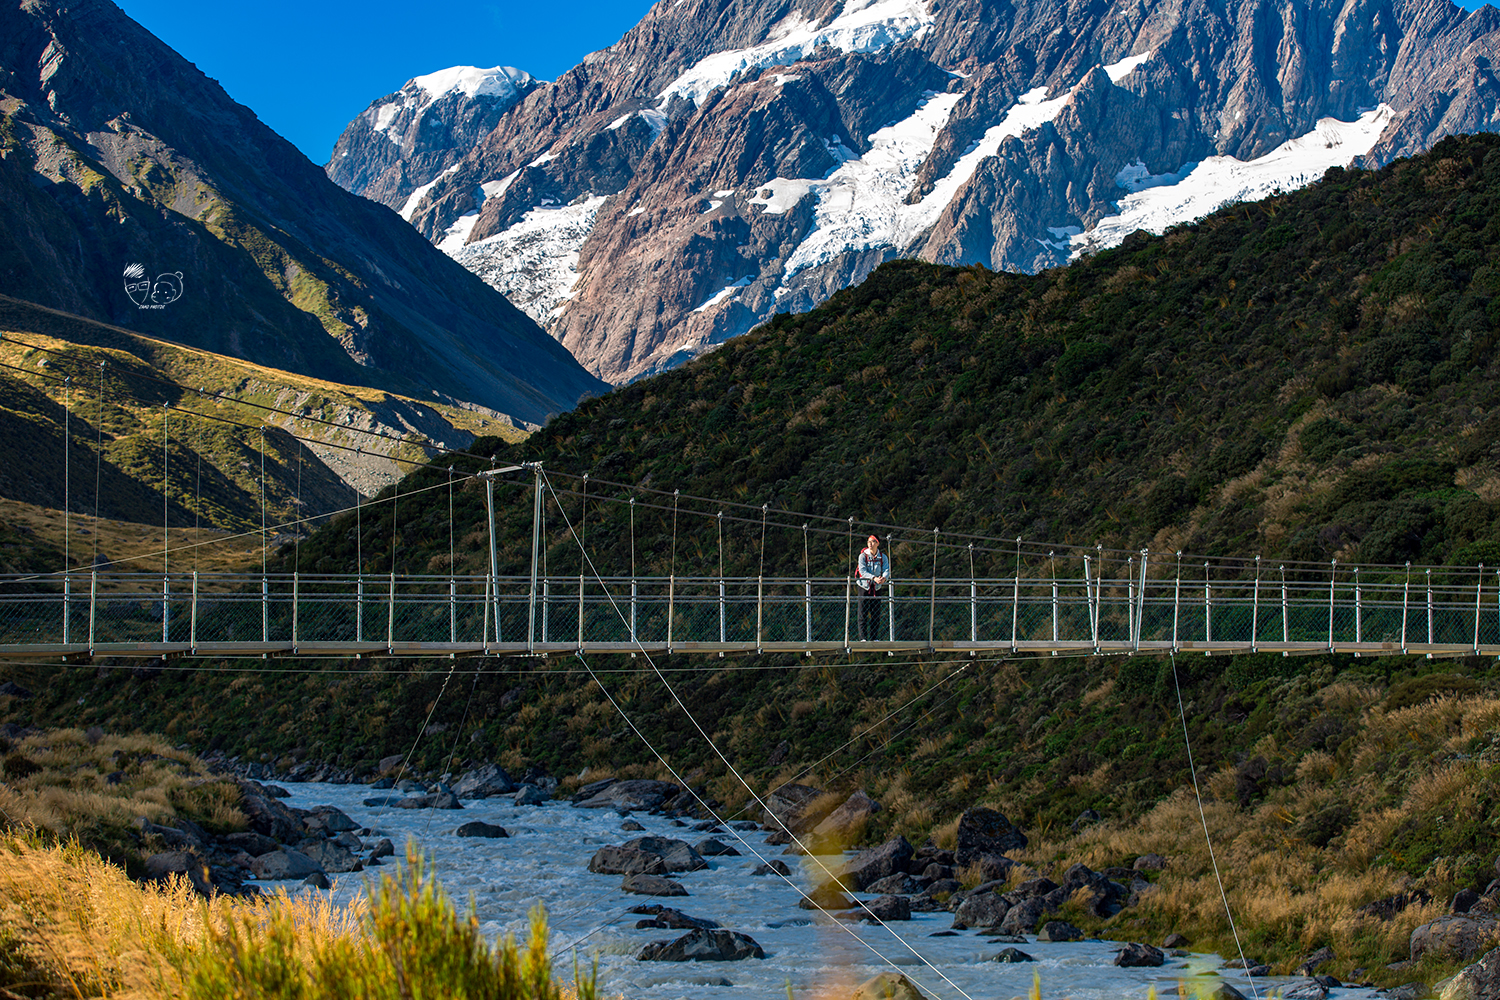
(545, 860)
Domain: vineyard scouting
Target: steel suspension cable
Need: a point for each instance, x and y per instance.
(68, 476)
(166, 539)
(1203, 817)
(198, 506)
(674, 535)
(263, 536)
(297, 505)
(708, 740)
(98, 458)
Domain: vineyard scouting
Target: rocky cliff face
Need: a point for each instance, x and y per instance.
(134, 191)
(727, 160)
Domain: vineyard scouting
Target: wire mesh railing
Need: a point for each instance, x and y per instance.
(1361, 608)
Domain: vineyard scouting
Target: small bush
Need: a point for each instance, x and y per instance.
(1419, 690)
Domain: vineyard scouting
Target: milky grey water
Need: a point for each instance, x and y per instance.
(545, 860)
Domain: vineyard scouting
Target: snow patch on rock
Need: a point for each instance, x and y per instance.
(1120, 70)
(1158, 201)
(415, 198)
(862, 26)
(534, 263)
(724, 293)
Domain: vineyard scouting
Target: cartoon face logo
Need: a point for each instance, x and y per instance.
(168, 288)
(137, 285)
(148, 294)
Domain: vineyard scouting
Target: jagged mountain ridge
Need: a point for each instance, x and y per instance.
(726, 160)
(404, 141)
(116, 151)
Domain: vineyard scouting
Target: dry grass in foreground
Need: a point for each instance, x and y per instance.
(73, 925)
(92, 788)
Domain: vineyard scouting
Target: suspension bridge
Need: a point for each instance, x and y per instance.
(1045, 600)
(1053, 602)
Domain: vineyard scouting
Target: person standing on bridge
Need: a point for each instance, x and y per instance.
(874, 573)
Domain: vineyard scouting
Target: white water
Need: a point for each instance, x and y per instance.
(545, 860)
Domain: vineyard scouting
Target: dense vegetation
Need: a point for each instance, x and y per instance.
(1311, 377)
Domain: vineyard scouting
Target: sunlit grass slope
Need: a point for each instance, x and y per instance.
(124, 387)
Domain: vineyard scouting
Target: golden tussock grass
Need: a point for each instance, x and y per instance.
(72, 924)
(1289, 896)
(94, 787)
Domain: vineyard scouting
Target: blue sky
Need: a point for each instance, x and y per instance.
(307, 69)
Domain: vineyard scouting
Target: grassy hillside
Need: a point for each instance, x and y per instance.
(124, 385)
(1312, 378)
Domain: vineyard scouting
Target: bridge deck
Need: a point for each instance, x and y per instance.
(233, 650)
(101, 614)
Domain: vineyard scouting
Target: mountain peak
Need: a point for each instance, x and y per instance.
(472, 82)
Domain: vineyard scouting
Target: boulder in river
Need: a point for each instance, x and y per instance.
(483, 782)
(676, 855)
(531, 795)
(900, 883)
(1022, 916)
(885, 909)
(773, 867)
(668, 918)
(481, 829)
(1223, 991)
(329, 820)
(1135, 955)
(613, 860)
(888, 986)
(1059, 930)
(711, 847)
(636, 793)
(1012, 955)
(703, 945)
(652, 885)
(875, 864)
(827, 896)
(985, 909)
(376, 801)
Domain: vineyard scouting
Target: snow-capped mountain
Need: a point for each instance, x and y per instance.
(403, 142)
(729, 159)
